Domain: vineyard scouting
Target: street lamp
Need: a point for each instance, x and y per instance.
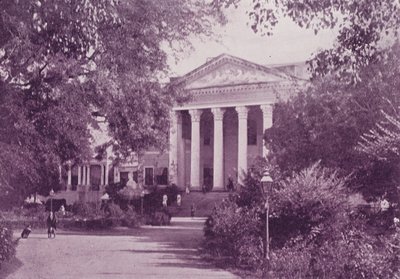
(266, 182)
(51, 199)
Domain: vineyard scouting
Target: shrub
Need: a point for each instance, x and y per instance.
(34, 212)
(152, 201)
(18, 213)
(7, 244)
(93, 217)
(88, 210)
(311, 202)
(92, 224)
(113, 189)
(353, 254)
(313, 232)
(130, 218)
(114, 210)
(234, 233)
(161, 217)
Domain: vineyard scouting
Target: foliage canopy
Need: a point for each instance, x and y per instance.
(61, 61)
(363, 26)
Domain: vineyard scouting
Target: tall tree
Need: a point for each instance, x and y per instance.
(326, 122)
(351, 83)
(62, 60)
(363, 26)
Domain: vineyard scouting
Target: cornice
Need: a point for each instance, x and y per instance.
(240, 87)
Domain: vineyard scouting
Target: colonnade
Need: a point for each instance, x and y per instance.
(176, 156)
(84, 174)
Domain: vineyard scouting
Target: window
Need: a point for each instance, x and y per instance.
(162, 176)
(148, 176)
(251, 132)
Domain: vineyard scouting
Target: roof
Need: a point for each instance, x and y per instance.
(285, 71)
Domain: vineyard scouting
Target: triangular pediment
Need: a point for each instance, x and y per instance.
(226, 70)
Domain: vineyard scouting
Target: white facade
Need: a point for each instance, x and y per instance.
(235, 97)
(215, 135)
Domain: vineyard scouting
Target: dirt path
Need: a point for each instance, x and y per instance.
(150, 252)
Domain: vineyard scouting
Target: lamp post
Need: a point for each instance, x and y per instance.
(266, 182)
(51, 199)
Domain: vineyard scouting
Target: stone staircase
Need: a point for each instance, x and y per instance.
(204, 203)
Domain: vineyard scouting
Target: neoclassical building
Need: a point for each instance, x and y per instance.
(215, 135)
(219, 132)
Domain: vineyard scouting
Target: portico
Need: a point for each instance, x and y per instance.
(220, 145)
(92, 175)
(219, 132)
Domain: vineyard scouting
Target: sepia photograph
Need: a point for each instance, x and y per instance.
(199, 139)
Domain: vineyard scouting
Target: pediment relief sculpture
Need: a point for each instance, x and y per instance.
(231, 74)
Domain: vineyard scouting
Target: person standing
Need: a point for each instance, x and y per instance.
(51, 225)
(165, 200)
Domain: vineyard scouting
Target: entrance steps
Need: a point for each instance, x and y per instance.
(204, 203)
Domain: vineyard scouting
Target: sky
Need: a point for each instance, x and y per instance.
(289, 43)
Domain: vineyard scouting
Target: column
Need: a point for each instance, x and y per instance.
(181, 154)
(173, 147)
(218, 160)
(84, 175)
(101, 175)
(106, 176)
(195, 149)
(267, 123)
(79, 175)
(88, 176)
(116, 174)
(69, 181)
(242, 112)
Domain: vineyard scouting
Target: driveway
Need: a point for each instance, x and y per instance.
(149, 252)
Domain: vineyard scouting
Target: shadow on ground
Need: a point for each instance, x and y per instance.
(180, 241)
(148, 252)
(10, 267)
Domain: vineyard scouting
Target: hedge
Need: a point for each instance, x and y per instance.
(7, 244)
